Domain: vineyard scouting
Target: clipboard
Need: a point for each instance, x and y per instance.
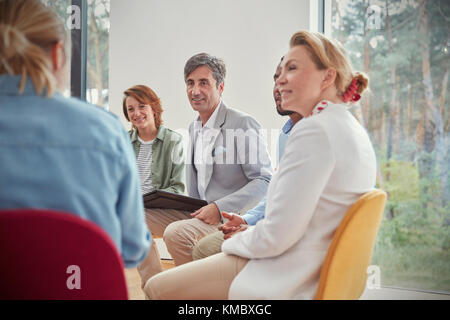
(167, 200)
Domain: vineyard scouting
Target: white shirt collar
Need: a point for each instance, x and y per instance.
(145, 142)
(211, 121)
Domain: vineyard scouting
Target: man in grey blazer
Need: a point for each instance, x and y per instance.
(228, 164)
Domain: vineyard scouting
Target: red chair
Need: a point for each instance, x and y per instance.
(47, 254)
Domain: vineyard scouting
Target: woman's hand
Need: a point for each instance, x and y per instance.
(234, 225)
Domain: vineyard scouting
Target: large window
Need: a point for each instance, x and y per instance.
(403, 45)
(61, 7)
(87, 22)
(97, 52)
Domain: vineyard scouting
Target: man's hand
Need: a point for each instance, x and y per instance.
(234, 225)
(209, 214)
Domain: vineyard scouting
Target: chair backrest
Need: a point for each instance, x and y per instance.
(343, 274)
(48, 254)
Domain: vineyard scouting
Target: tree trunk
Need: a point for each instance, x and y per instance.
(443, 92)
(341, 39)
(391, 105)
(398, 123)
(445, 163)
(365, 101)
(383, 119)
(96, 71)
(393, 100)
(410, 118)
(433, 117)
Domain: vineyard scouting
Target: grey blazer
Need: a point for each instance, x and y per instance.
(238, 176)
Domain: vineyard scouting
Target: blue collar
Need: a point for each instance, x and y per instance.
(287, 126)
(9, 86)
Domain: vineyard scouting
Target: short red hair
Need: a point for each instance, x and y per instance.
(144, 95)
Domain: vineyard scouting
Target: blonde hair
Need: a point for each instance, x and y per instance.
(28, 29)
(327, 53)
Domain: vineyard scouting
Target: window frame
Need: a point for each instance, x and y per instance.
(321, 19)
(79, 53)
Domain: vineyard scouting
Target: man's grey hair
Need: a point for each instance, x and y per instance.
(216, 65)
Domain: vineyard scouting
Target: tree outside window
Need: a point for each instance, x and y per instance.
(403, 45)
(98, 52)
(62, 9)
(97, 45)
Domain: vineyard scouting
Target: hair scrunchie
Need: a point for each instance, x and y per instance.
(350, 94)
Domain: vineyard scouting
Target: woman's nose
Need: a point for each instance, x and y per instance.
(280, 80)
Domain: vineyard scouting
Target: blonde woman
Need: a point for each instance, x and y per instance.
(328, 164)
(59, 153)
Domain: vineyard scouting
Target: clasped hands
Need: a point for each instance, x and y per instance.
(234, 225)
(210, 214)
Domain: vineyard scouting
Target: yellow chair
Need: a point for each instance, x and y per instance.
(343, 274)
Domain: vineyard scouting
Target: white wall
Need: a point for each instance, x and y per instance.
(151, 40)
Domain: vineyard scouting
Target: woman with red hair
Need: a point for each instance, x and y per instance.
(160, 161)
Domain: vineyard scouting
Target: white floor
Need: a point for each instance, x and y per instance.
(401, 294)
(163, 253)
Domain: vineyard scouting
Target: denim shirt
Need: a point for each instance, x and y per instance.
(64, 154)
(257, 213)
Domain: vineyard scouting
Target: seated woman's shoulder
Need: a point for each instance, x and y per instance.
(83, 106)
(172, 134)
(88, 110)
(92, 118)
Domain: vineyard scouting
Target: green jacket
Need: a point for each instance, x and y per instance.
(167, 167)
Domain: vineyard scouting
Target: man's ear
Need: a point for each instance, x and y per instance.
(221, 87)
(57, 55)
(329, 78)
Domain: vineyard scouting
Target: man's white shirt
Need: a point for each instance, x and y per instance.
(203, 149)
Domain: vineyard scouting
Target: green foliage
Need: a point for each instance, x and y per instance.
(414, 228)
(403, 183)
(416, 267)
(413, 247)
(413, 242)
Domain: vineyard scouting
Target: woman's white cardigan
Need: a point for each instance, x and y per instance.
(328, 164)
